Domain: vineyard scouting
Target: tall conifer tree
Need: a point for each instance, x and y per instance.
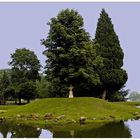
(113, 77)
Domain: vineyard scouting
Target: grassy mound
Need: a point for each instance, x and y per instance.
(72, 109)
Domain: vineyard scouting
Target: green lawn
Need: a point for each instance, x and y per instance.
(92, 108)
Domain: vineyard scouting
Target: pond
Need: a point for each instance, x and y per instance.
(128, 129)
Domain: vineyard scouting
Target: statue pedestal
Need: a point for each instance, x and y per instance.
(70, 92)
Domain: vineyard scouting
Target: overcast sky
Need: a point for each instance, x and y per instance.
(24, 25)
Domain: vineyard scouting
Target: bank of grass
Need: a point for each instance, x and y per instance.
(94, 109)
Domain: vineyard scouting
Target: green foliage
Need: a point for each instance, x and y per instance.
(8, 72)
(71, 57)
(25, 71)
(4, 83)
(117, 96)
(113, 77)
(43, 87)
(25, 63)
(10, 93)
(28, 90)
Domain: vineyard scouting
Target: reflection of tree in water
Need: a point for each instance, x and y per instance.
(4, 129)
(19, 131)
(25, 132)
(110, 130)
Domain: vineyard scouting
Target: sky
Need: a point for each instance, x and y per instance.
(23, 25)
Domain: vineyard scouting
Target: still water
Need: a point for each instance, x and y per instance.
(128, 129)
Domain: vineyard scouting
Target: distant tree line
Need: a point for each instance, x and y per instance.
(134, 96)
(92, 66)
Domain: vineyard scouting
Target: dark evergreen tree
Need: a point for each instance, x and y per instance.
(71, 58)
(113, 77)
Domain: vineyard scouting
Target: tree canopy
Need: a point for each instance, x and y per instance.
(26, 63)
(25, 68)
(71, 57)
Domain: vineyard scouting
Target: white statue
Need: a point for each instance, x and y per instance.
(70, 91)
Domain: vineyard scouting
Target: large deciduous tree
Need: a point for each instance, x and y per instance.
(113, 77)
(25, 67)
(71, 57)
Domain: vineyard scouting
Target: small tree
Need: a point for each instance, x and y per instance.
(112, 76)
(25, 67)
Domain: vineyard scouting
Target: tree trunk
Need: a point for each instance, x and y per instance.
(2, 99)
(16, 101)
(104, 94)
(28, 100)
(19, 101)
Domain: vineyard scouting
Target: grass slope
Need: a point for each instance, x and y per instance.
(73, 109)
